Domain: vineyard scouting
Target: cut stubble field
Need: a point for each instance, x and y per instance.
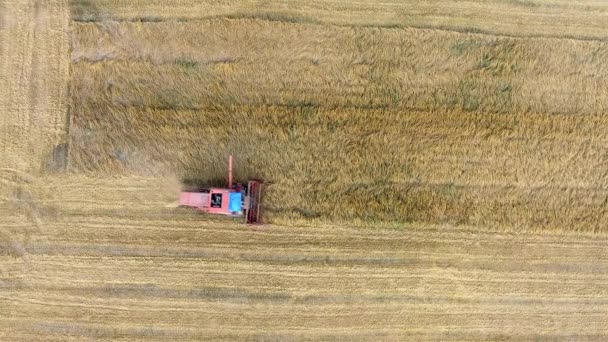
(115, 263)
(436, 176)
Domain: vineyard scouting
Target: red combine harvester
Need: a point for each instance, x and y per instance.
(232, 201)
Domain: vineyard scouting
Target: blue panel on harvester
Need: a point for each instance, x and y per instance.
(235, 203)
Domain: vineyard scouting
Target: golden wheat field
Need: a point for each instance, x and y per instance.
(437, 169)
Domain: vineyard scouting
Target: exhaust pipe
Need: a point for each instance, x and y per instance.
(230, 172)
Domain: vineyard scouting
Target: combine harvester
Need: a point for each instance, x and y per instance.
(234, 201)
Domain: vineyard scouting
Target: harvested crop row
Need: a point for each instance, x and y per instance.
(34, 61)
(96, 274)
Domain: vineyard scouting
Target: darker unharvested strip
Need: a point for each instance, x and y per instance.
(311, 21)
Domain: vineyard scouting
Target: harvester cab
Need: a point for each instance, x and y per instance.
(237, 201)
